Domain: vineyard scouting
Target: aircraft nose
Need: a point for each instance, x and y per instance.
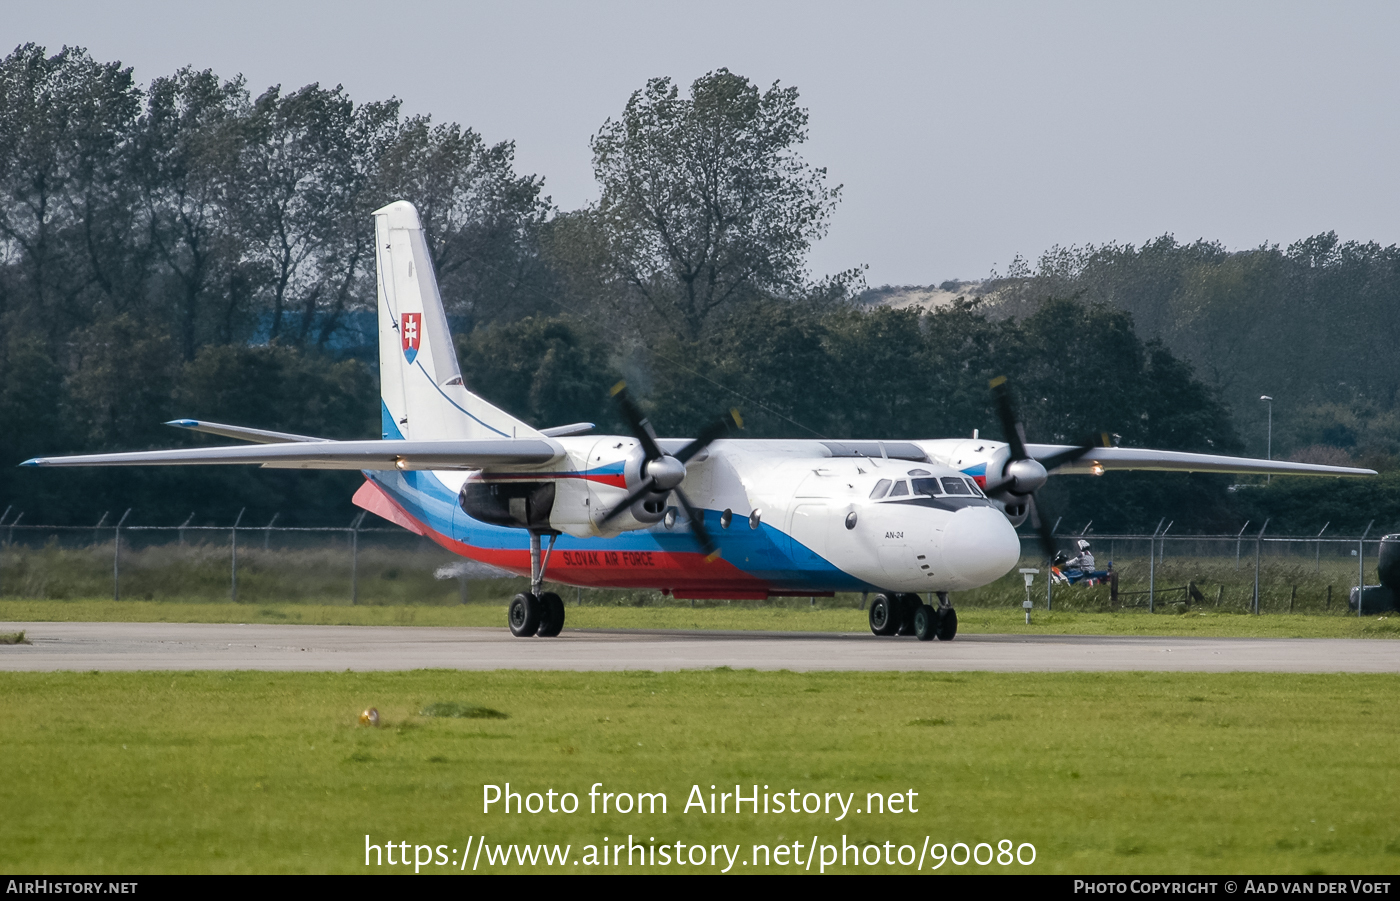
(980, 546)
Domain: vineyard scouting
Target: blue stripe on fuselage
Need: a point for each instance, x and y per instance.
(762, 553)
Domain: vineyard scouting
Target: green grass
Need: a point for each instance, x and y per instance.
(789, 615)
(1103, 773)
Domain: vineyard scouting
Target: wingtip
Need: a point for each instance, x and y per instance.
(33, 461)
(183, 423)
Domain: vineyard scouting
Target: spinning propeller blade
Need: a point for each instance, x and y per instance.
(662, 473)
(1023, 475)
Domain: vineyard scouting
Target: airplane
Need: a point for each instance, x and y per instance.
(710, 517)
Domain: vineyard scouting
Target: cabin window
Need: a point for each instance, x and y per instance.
(901, 489)
(881, 487)
(955, 486)
(926, 486)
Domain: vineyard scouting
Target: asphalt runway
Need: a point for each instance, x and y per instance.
(204, 646)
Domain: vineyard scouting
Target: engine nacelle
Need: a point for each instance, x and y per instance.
(511, 503)
(597, 475)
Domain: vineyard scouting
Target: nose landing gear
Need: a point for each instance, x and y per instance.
(894, 613)
(537, 612)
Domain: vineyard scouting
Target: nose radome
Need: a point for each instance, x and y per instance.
(980, 546)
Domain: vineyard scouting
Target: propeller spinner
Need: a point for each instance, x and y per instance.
(663, 473)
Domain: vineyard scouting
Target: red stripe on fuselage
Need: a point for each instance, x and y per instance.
(688, 572)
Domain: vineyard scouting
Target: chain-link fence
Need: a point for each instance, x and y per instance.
(241, 563)
(1249, 571)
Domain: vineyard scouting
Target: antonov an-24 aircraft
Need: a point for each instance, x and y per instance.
(753, 519)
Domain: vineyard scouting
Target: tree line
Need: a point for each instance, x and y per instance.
(189, 249)
(1312, 325)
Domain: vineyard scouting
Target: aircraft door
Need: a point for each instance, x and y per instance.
(808, 534)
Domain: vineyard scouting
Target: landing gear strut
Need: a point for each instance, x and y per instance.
(537, 612)
(947, 619)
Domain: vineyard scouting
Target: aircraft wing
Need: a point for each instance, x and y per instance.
(1103, 459)
(317, 454)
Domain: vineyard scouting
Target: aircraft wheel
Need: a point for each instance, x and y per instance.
(947, 624)
(524, 615)
(925, 622)
(884, 614)
(551, 615)
(907, 605)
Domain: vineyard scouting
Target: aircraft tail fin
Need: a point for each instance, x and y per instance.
(420, 381)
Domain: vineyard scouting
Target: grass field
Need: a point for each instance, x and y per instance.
(1102, 773)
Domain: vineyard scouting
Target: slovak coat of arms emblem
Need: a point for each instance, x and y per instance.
(411, 331)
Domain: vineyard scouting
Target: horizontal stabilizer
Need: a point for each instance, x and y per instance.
(257, 436)
(1105, 459)
(371, 455)
(564, 431)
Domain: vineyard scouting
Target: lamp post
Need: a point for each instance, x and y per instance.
(1269, 447)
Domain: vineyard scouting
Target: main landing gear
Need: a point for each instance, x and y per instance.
(894, 613)
(537, 612)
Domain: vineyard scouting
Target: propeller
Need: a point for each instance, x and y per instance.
(662, 473)
(1024, 475)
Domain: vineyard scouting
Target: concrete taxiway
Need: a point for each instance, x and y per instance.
(204, 646)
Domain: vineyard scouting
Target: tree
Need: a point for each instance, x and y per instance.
(188, 157)
(705, 201)
(64, 124)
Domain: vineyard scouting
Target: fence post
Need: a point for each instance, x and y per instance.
(1361, 567)
(1152, 568)
(188, 520)
(1239, 540)
(1162, 556)
(267, 533)
(117, 556)
(1258, 549)
(355, 558)
(2, 521)
(1317, 566)
(233, 546)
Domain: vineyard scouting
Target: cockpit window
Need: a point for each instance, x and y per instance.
(955, 486)
(927, 487)
(880, 488)
(901, 488)
(972, 483)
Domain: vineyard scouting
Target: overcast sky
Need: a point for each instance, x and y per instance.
(963, 134)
